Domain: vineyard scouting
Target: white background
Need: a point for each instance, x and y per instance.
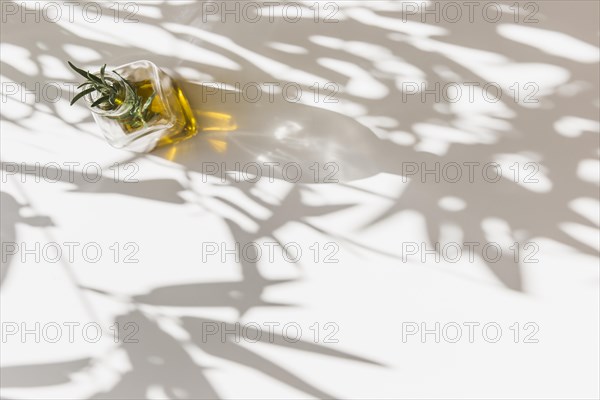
(371, 132)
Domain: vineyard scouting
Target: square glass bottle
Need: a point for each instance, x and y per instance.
(151, 109)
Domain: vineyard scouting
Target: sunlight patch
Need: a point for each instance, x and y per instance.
(556, 43)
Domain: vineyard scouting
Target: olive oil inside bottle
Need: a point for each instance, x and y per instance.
(158, 112)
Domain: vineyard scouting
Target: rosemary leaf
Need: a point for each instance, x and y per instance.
(78, 70)
(100, 101)
(81, 94)
(111, 92)
(148, 102)
(126, 81)
(94, 78)
(102, 75)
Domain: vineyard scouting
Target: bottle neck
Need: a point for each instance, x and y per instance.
(124, 100)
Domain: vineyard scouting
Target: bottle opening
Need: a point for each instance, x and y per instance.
(117, 97)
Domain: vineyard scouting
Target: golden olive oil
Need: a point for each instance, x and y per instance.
(158, 113)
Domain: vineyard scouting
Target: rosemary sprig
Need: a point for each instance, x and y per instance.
(111, 93)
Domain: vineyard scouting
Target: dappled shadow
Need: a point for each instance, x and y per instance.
(45, 374)
(374, 128)
(11, 216)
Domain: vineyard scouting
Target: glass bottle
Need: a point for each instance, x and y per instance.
(152, 110)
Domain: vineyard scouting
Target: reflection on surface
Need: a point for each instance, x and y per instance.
(210, 121)
(369, 134)
(236, 132)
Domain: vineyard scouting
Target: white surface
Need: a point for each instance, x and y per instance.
(174, 210)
